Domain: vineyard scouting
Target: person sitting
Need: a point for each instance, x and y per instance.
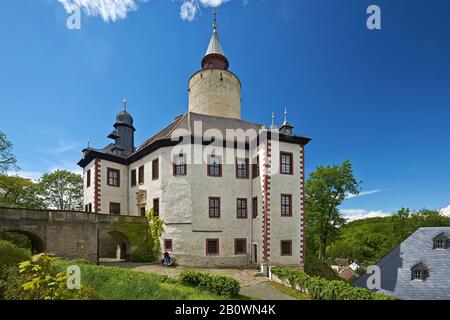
(166, 259)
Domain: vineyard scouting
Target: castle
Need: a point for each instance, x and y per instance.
(230, 192)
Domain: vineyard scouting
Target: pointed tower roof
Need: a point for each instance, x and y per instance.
(215, 57)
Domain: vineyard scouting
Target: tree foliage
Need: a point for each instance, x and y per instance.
(326, 189)
(18, 192)
(7, 159)
(62, 190)
(155, 231)
(368, 240)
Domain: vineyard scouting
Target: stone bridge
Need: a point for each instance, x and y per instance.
(73, 235)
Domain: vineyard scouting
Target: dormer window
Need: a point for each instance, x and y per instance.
(440, 242)
(419, 272)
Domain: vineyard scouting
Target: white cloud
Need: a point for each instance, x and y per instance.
(446, 211)
(188, 10)
(363, 193)
(108, 10)
(358, 214)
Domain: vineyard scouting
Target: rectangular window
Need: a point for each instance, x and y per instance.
(418, 275)
(155, 169)
(286, 247)
(168, 245)
(214, 166)
(286, 205)
(255, 207)
(240, 246)
(141, 175)
(133, 178)
(90, 207)
(156, 206)
(88, 178)
(255, 168)
(212, 247)
(142, 211)
(286, 163)
(214, 207)
(242, 208)
(114, 208)
(86, 207)
(242, 168)
(113, 177)
(179, 165)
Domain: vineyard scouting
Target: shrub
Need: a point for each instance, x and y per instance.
(11, 255)
(142, 254)
(322, 289)
(40, 279)
(217, 284)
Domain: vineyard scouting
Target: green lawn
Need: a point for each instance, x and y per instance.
(111, 283)
(290, 292)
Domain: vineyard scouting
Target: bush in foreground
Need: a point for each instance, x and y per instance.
(11, 255)
(321, 289)
(217, 284)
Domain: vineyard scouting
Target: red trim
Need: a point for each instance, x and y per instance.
(218, 247)
(303, 213)
(235, 247)
(171, 245)
(281, 248)
(266, 203)
(209, 207)
(290, 204)
(246, 208)
(97, 177)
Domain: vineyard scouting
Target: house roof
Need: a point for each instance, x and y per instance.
(183, 125)
(396, 268)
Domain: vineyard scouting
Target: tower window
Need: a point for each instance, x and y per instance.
(255, 207)
(255, 168)
(286, 247)
(242, 208)
(113, 177)
(286, 163)
(179, 165)
(88, 178)
(156, 207)
(212, 247)
(155, 169)
(286, 205)
(214, 207)
(133, 178)
(114, 208)
(242, 168)
(141, 175)
(214, 166)
(240, 246)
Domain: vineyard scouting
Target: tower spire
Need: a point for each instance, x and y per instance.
(285, 114)
(215, 57)
(125, 104)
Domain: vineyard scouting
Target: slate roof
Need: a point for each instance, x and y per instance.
(185, 123)
(396, 268)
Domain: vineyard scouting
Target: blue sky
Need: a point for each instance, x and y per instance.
(379, 98)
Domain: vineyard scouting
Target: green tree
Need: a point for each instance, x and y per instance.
(326, 189)
(17, 192)
(7, 159)
(62, 190)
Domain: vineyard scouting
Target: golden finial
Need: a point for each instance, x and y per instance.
(125, 104)
(215, 19)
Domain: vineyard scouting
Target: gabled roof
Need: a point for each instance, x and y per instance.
(183, 125)
(396, 268)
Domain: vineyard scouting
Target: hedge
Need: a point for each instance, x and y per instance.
(322, 289)
(217, 284)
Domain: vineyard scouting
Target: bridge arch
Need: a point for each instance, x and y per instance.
(115, 245)
(37, 243)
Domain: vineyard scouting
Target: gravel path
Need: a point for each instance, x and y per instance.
(265, 291)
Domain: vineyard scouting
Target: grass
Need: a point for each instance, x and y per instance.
(290, 292)
(110, 283)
